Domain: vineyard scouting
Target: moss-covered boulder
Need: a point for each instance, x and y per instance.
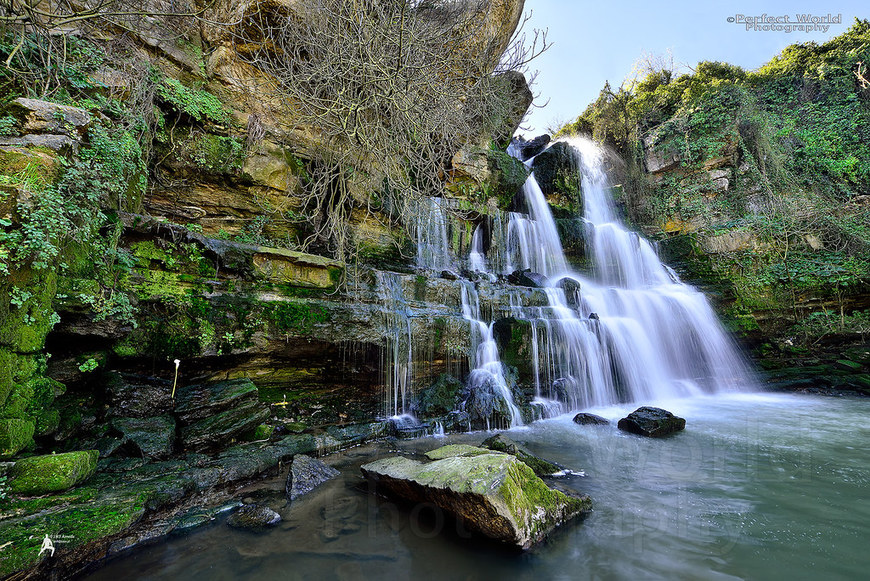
(455, 450)
(494, 494)
(52, 473)
(15, 434)
(501, 443)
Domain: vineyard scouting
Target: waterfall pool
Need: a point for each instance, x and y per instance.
(758, 486)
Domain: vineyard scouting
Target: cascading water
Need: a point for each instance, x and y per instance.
(433, 251)
(633, 331)
(399, 353)
(487, 384)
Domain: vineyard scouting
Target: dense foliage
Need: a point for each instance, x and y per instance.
(791, 142)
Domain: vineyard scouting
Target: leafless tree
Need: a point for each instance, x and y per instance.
(392, 89)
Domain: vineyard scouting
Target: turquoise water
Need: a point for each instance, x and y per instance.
(757, 487)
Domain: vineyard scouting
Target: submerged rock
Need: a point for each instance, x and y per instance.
(306, 474)
(494, 494)
(501, 443)
(586, 419)
(651, 422)
(253, 516)
(51, 473)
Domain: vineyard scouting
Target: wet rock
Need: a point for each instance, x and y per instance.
(572, 291)
(454, 450)
(153, 437)
(501, 443)
(527, 278)
(440, 398)
(306, 474)
(449, 275)
(253, 517)
(51, 473)
(340, 518)
(196, 402)
(213, 415)
(137, 399)
(586, 419)
(484, 402)
(651, 422)
(553, 166)
(532, 147)
(494, 494)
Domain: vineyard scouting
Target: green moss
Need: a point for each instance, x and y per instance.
(15, 435)
(197, 103)
(501, 443)
(214, 153)
(509, 175)
(297, 317)
(26, 314)
(440, 398)
(263, 432)
(38, 475)
(454, 450)
(79, 523)
(525, 495)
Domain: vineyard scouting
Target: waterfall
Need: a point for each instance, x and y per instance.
(630, 330)
(399, 349)
(433, 250)
(486, 383)
(627, 330)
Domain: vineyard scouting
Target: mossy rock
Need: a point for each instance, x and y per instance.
(501, 443)
(52, 473)
(15, 435)
(23, 326)
(263, 432)
(494, 494)
(455, 450)
(440, 398)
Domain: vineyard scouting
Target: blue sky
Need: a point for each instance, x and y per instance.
(594, 42)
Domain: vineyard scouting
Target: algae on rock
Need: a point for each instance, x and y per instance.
(495, 494)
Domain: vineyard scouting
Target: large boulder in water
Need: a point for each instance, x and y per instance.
(651, 422)
(306, 474)
(493, 494)
(501, 443)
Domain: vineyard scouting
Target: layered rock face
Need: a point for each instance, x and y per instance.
(192, 324)
(203, 275)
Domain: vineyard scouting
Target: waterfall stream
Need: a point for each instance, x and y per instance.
(628, 330)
